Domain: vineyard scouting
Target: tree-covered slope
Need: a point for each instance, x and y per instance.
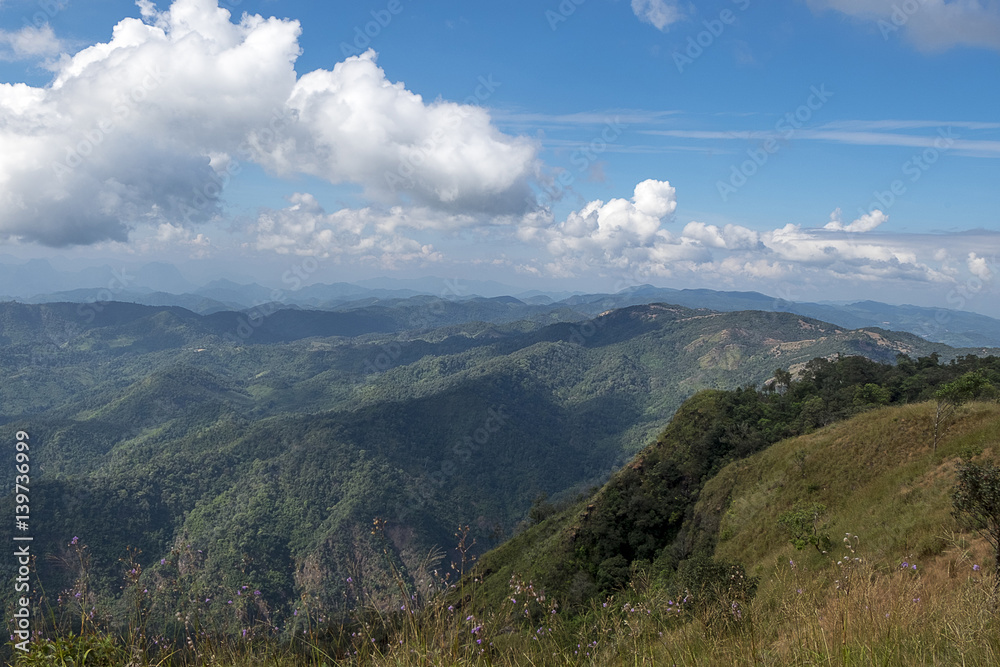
(653, 514)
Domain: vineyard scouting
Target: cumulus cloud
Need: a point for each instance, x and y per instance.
(305, 228)
(730, 237)
(355, 125)
(979, 267)
(865, 223)
(633, 237)
(618, 233)
(149, 127)
(29, 42)
(931, 25)
(660, 14)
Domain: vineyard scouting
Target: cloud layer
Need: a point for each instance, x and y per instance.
(147, 129)
(638, 239)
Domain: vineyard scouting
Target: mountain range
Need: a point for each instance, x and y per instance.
(162, 284)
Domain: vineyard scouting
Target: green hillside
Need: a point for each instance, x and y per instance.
(264, 465)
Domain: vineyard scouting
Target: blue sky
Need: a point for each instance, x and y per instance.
(817, 149)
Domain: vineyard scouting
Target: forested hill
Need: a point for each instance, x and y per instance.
(269, 458)
(652, 517)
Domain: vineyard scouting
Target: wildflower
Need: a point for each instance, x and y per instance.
(914, 566)
(256, 592)
(451, 608)
(74, 540)
(476, 629)
(975, 568)
(905, 565)
(163, 561)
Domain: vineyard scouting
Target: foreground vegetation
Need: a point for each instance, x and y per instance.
(837, 545)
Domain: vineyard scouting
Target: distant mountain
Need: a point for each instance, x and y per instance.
(952, 327)
(162, 277)
(162, 284)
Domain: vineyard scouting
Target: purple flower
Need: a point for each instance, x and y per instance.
(975, 568)
(256, 592)
(476, 629)
(350, 581)
(74, 540)
(163, 561)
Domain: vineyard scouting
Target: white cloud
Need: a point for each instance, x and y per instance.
(148, 128)
(29, 42)
(660, 14)
(617, 233)
(865, 223)
(931, 25)
(730, 237)
(631, 237)
(979, 267)
(355, 125)
(305, 228)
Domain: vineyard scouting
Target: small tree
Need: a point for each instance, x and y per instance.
(803, 525)
(966, 388)
(976, 502)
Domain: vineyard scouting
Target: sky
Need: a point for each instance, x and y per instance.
(809, 149)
